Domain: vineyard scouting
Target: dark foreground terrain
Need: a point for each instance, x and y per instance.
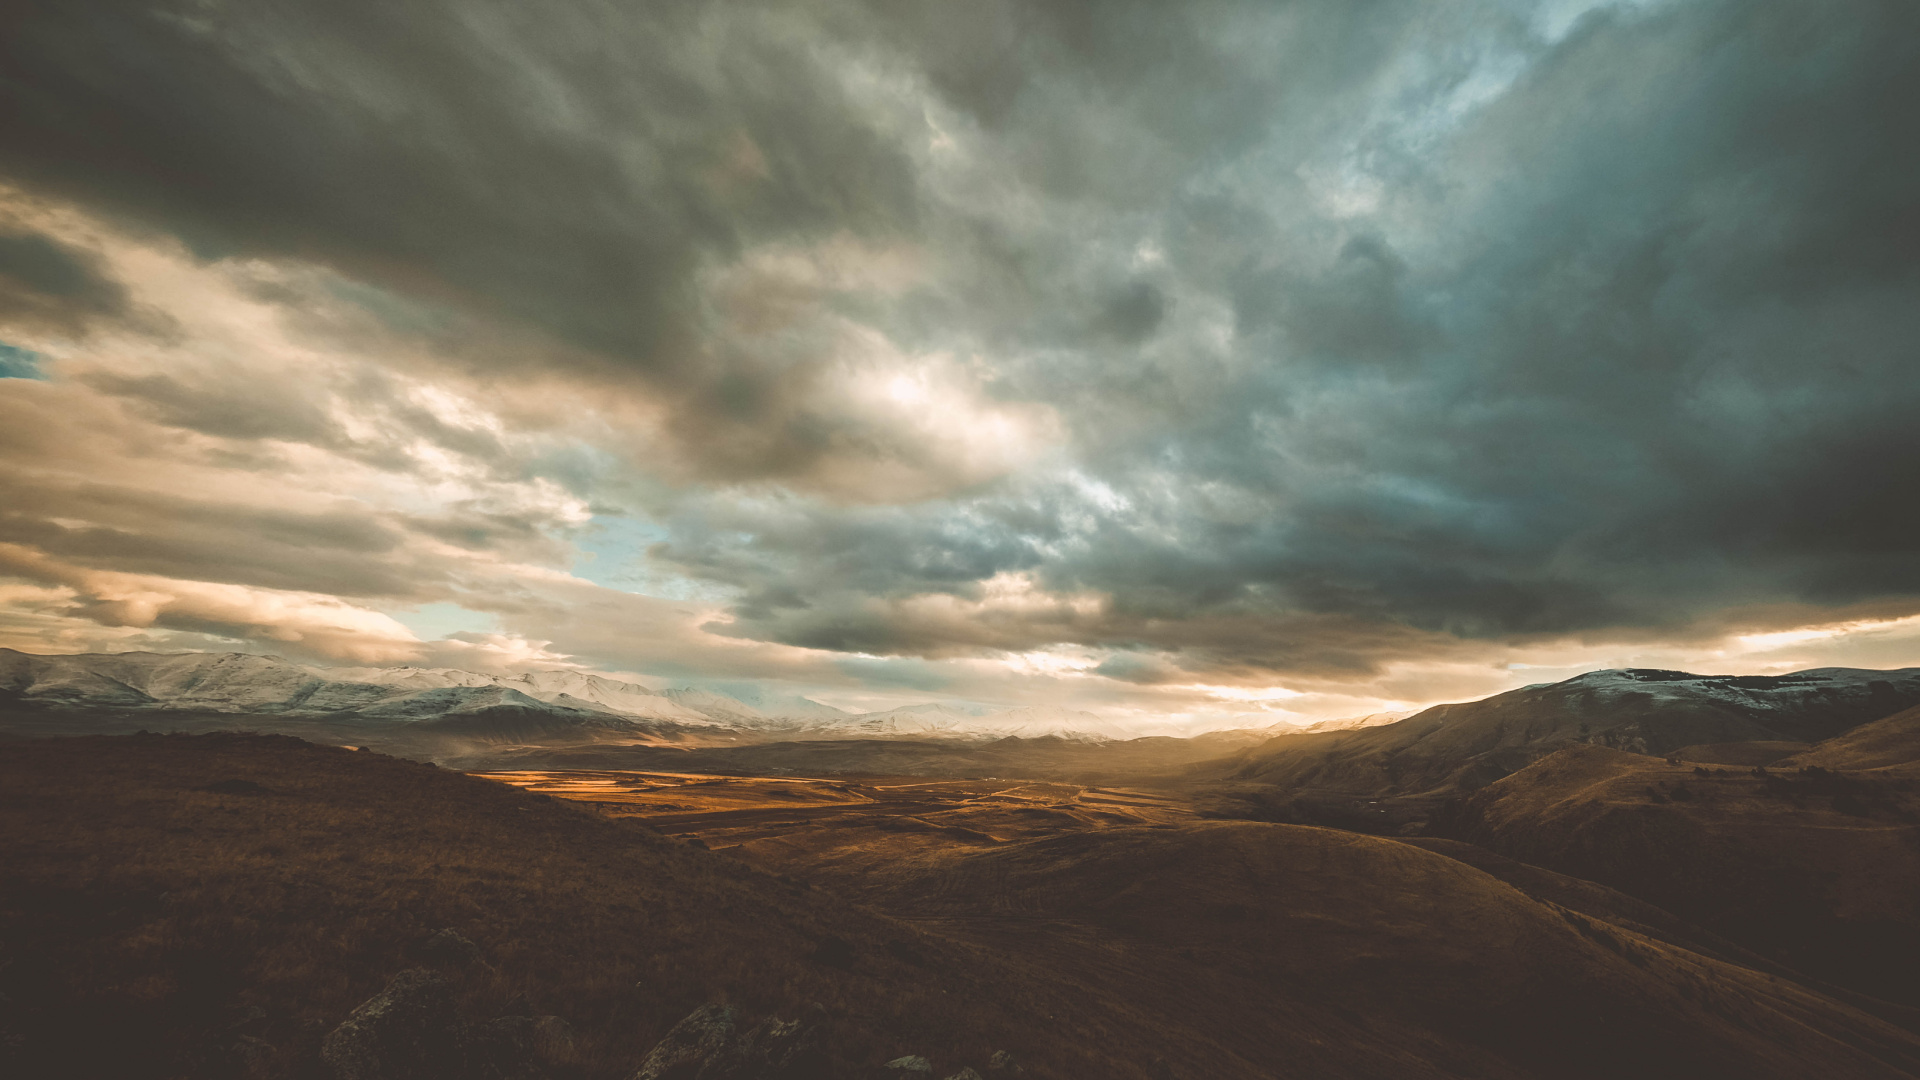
(220, 905)
(1815, 865)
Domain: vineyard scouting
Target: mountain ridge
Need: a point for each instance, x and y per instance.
(266, 685)
(1453, 746)
(1466, 745)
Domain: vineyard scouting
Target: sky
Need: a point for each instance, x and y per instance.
(1197, 364)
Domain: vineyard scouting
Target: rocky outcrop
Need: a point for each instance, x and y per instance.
(250, 1058)
(448, 949)
(701, 1037)
(705, 1046)
(521, 1047)
(410, 1029)
(413, 1030)
(544, 1040)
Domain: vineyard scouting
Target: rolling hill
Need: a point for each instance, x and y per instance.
(218, 904)
(1815, 867)
(1451, 748)
(1885, 743)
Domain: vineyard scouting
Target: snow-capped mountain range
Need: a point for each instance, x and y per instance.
(244, 683)
(268, 686)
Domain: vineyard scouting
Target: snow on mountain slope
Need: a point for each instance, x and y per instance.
(583, 688)
(214, 682)
(50, 680)
(626, 698)
(787, 706)
(719, 707)
(1355, 723)
(1632, 707)
(454, 701)
(1040, 721)
(1754, 695)
(268, 685)
(1644, 711)
(907, 720)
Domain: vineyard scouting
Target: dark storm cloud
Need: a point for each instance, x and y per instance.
(344, 553)
(1369, 327)
(570, 166)
(223, 410)
(1631, 342)
(46, 284)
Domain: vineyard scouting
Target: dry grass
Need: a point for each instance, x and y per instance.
(1329, 953)
(1251, 945)
(1818, 869)
(141, 918)
(729, 811)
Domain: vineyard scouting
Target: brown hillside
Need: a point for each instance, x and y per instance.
(1894, 741)
(1456, 748)
(1817, 869)
(141, 918)
(169, 897)
(1744, 754)
(1392, 961)
(1251, 944)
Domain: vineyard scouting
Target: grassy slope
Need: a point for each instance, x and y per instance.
(1888, 743)
(1744, 754)
(1794, 866)
(1462, 747)
(1392, 961)
(139, 917)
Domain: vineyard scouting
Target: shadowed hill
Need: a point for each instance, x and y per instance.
(169, 896)
(158, 888)
(1744, 754)
(1893, 741)
(1817, 868)
(1465, 746)
(1398, 962)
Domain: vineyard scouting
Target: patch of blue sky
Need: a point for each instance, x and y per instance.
(613, 549)
(19, 363)
(613, 554)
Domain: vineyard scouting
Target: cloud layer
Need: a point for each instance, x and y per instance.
(1133, 354)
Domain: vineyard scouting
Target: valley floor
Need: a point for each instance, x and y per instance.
(940, 855)
(745, 812)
